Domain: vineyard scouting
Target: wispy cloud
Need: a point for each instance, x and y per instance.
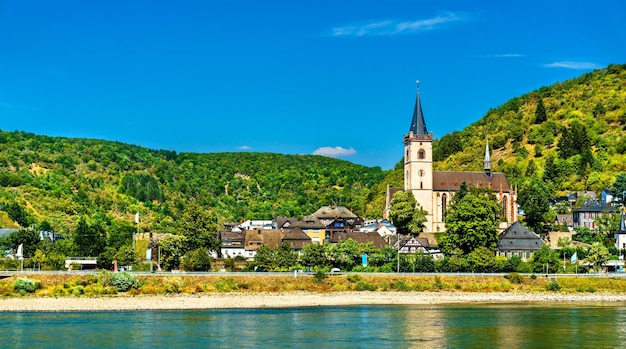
(573, 65)
(334, 152)
(395, 27)
(245, 147)
(503, 55)
(6, 105)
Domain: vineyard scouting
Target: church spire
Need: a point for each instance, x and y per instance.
(418, 125)
(487, 161)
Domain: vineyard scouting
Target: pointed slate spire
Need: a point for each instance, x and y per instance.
(487, 160)
(418, 125)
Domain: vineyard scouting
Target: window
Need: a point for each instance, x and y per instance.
(504, 208)
(444, 205)
(421, 154)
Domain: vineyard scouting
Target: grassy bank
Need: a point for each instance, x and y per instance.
(101, 285)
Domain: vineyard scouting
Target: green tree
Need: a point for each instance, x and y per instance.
(619, 187)
(264, 257)
(406, 214)
(284, 257)
(90, 240)
(39, 258)
(540, 112)
(545, 257)
(197, 260)
(172, 249)
(28, 237)
(533, 198)
(314, 255)
(17, 213)
(199, 226)
(482, 260)
(345, 255)
(597, 256)
(472, 222)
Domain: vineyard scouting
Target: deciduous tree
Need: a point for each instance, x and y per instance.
(406, 213)
(471, 222)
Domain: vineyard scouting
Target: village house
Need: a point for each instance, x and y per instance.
(586, 215)
(517, 240)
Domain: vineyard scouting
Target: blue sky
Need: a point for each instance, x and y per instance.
(293, 77)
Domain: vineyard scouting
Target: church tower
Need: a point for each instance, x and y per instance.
(418, 161)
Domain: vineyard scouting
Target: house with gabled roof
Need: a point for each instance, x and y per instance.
(337, 219)
(586, 215)
(232, 244)
(297, 239)
(517, 240)
(384, 228)
(412, 244)
(360, 237)
(285, 222)
(315, 229)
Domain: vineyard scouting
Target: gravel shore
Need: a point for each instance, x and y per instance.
(290, 299)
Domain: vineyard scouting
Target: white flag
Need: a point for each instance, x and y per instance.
(137, 218)
(20, 251)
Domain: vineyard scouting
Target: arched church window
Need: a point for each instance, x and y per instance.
(444, 205)
(504, 208)
(421, 154)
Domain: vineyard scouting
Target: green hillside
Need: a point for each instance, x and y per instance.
(576, 141)
(56, 180)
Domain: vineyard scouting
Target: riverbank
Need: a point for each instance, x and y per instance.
(242, 300)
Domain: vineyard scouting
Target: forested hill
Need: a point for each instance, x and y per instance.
(570, 135)
(54, 181)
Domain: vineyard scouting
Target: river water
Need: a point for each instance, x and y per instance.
(432, 326)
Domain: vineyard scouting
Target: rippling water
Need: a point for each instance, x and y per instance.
(436, 326)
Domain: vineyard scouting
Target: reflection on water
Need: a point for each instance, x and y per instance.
(436, 326)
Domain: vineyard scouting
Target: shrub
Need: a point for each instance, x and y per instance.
(124, 281)
(438, 285)
(104, 278)
(319, 276)
(354, 278)
(553, 285)
(23, 285)
(400, 285)
(173, 285)
(533, 276)
(365, 286)
(515, 278)
(226, 285)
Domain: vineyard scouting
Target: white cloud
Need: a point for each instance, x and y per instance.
(334, 152)
(245, 147)
(7, 105)
(504, 55)
(572, 65)
(394, 27)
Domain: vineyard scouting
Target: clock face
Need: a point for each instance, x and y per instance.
(420, 173)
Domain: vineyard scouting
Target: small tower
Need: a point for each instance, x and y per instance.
(418, 161)
(487, 161)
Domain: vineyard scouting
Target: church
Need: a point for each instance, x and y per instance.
(434, 189)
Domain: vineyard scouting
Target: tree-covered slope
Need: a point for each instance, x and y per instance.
(55, 180)
(570, 134)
